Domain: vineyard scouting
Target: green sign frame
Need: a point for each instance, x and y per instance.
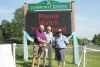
(49, 5)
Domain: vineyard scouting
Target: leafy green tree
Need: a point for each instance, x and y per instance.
(83, 41)
(14, 28)
(96, 39)
(18, 21)
(1, 37)
(4, 22)
(5, 30)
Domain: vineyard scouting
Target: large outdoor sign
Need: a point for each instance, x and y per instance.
(48, 5)
(51, 13)
(55, 19)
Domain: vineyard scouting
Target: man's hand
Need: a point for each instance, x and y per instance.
(45, 43)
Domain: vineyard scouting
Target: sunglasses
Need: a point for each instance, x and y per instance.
(59, 32)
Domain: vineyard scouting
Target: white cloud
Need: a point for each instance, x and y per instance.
(6, 14)
(36, 1)
(6, 10)
(31, 1)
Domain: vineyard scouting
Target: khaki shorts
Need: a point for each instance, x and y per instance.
(38, 50)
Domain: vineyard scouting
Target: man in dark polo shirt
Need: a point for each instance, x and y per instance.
(40, 45)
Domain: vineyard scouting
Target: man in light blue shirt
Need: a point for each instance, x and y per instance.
(61, 41)
(60, 48)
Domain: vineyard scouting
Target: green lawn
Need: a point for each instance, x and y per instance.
(93, 59)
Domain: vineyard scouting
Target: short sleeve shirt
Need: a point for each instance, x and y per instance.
(41, 35)
(49, 36)
(61, 42)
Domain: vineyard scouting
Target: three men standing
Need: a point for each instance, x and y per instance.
(44, 45)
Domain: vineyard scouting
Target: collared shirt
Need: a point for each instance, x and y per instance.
(41, 35)
(49, 36)
(61, 42)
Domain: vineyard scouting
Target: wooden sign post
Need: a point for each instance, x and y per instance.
(75, 42)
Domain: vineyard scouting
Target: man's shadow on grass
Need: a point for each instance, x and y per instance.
(25, 64)
(29, 64)
(69, 62)
(41, 65)
(19, 57)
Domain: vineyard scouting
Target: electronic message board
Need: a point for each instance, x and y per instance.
(55, 19)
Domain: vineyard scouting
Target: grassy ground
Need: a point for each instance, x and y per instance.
(93, 59)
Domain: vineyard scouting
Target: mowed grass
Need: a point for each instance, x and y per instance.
(93, 58)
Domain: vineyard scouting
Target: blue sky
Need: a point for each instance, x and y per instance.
(87, 14)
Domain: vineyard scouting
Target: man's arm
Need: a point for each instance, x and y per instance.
(66, 39)
(42, 41)
(69, 36)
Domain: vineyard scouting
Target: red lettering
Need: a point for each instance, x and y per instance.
(49, 22)
(41, 16)
(45, 16)
(34, 28)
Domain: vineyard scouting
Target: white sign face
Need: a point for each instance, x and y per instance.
(6, 57)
